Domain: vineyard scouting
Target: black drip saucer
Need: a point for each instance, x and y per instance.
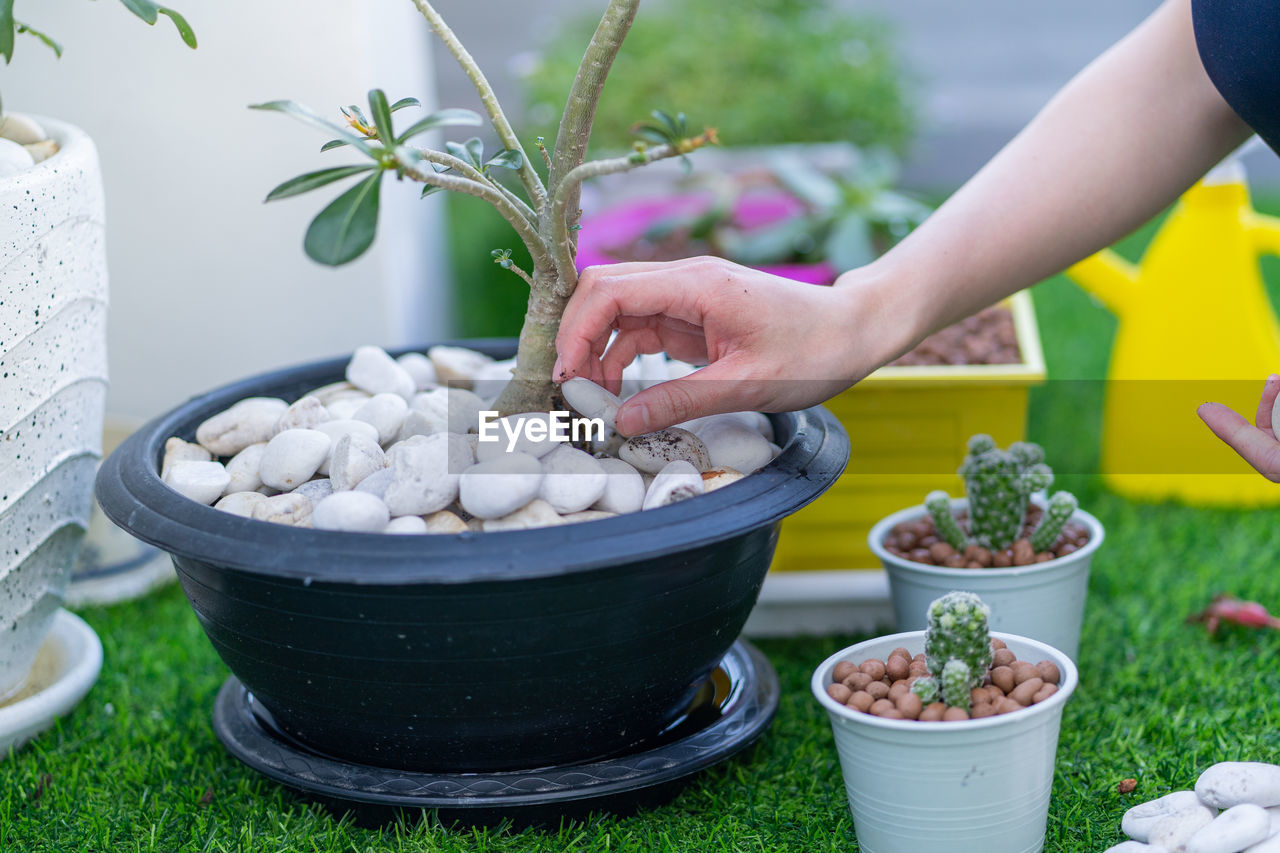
(730, 713)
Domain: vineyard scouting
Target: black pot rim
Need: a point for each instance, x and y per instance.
(133, 496)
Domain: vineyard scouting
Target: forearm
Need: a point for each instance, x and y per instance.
(1115, 146)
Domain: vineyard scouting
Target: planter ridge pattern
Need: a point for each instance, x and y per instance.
(53, 305)
(473, 651)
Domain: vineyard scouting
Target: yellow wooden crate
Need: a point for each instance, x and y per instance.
(908, 427)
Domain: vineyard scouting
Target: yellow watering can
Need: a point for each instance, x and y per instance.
(1195, 324)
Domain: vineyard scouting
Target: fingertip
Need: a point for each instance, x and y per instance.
(633, 419)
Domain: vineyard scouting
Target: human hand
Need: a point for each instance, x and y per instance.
(770, 344)
(1257, 443)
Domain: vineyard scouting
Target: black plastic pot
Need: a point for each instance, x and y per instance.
(475, 651)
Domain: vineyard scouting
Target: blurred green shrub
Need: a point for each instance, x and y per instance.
(763, 72)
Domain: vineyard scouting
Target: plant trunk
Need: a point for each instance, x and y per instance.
(531, 388)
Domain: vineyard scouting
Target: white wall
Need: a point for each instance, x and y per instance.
(207, 283)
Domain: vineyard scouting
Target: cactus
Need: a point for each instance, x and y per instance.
(939, 505)
(1060, 508)
(926, 688)
(999, 484)
(957, 646)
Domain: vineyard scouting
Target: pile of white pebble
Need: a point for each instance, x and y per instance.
(1246, 792)
(397, 448)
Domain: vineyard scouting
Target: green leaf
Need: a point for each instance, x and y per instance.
(849, 244)
(187, 34)
(7, 26)
(381, 113)
(429, 189)
(345, 229)
(649, 133)
(507, 158)
(49, 42)
(771, 244)
(405, 102)
(441, 118)
(807, 183)
(332, 144)
(144, 9)
(314, 180)
(471, 151)
(309, 116)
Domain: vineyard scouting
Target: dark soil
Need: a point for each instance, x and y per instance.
(918, 541)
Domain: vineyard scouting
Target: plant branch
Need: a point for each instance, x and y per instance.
(532, 183)
(524, 275)
(538, 248)
(464, 168)
(580, 109)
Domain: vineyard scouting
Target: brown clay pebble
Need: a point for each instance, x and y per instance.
(1126, 786)
(839, 692)
(955, 561)
(977, 695)
(909, 705)
(893, 714)
(933, 712)
(877, 689)
(919, 657)
(953, 714)
(929, 541)
(1022, 671)
(879, 706)
(919, 555)
(1002, 677)
(1023, 693)
(873, 668)
(898, 688)
(858, 681)
(907, 540)
(1048, 670)
(1044, 693)
(979, 555)
(984, 709)
(1002, 559)
(843, 670)
(901, 652)
(997, 644)
(940, 551)
(917, 670)
(897, 667)
(1023, 553)
(1008, 706)
(1044, 557)
(973, 564)
(1067, 548)
(1003, 657)
(860, 701)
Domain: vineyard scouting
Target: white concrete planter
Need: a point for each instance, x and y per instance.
(973, 786)
(53, 372)
(1044, 601)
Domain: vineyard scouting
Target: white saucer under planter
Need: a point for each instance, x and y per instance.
(1044, 601)
(66, 666)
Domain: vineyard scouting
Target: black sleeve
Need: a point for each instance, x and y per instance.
(1239, 44)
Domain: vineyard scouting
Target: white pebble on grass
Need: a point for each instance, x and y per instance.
(293, 457)
(1134, 847)
(676, 482)
(1230, 783)
(356, 512)
(1139, 820)
(1232, 831)
(499, 487)
(372, 370)
(203, 482)
(1174, 831)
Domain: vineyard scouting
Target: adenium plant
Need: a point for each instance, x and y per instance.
(544, 214)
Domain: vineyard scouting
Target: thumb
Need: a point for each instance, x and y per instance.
(708, 391)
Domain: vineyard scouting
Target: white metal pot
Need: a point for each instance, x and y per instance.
(1043, 600)
(972, 786)
(53, 360)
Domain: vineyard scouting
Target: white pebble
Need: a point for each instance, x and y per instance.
(572, 480)
(500, 486)
(1175, 831)
(406, 524)
(315, 490)
(336, 429)
(677, 481)
(203, 482)
(244, 468)
(732, 444)
(1230, 832)
(21, 129)
(357, 512)
(41, 151)
(718, 478)
(386, 412)
(1134, 847)
(291, 509)
(250, 421)
(536, 513)
(591, 401)
(354, 458)
(624, 487)
(377, 483)
(240, 503)
(304, 413)
(456, 408)
(177, 450)
(652, 452)
(326, 394)
(1230, 783)
(587, 515)
(372, 370)
(14, 158)
(420, 368)
(533, 433)
(1267, 845)
(445, 522)
(492, 379)
(293, 457)
(1138, 821)
(457, 364)
(425, 474)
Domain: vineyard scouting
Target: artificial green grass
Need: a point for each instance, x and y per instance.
(137, 767)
